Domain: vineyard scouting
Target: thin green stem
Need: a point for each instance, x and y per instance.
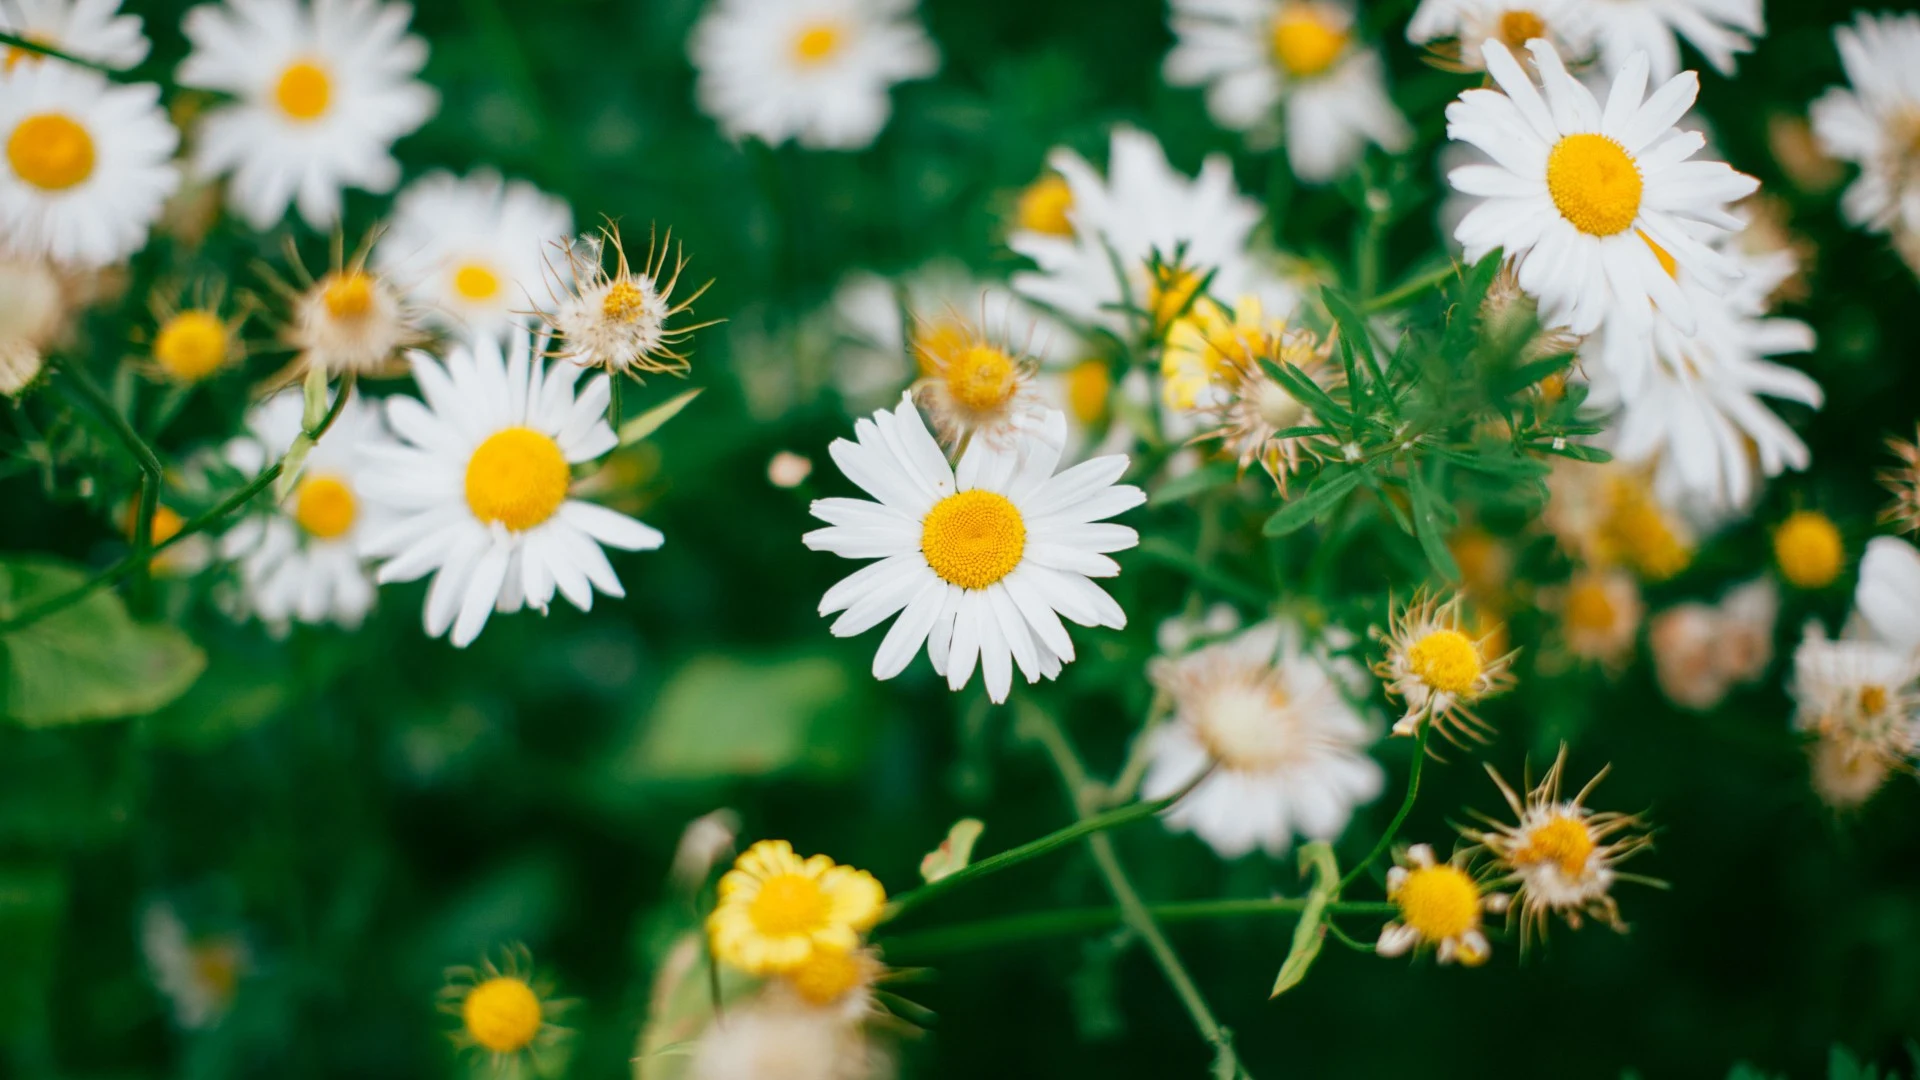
(1400, 816)
(1068, 922)
(1408, 290)
(14, 41)
(151, 477)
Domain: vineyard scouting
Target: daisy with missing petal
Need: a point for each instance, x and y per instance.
(88, 164)
(1576, 190)
(617, 319)
(775, 909)
(815, 71)
(1860, 696)
(1719, 29)
(1440, 908)
(1559, 854)
(479, 494)
(89, 29)
(1289, 746)
(352, 319)
(1452, 30)
(192, 340)
(1254, 55)
(1438, 670)
(973, 387)
(1875, 121)
(980, 561)
(302, 560)
(471, 249)
(322, 91)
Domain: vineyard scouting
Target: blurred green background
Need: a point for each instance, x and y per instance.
(364, 810)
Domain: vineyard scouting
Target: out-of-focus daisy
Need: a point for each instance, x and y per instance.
(1290, 748)
(351, 319)
(616, 319)
(88, 164)
(776, 908)
(1440, 908)
(979, 561)
(975, 387)
(199, 976)
(1184, 631)
(773, 1039)
(507, 1013)
(1888, 596)
(1299, 56)
(1843, 777)
(184, 559)
(1600, 613)
(787, 469)
(1875, 121)
(471, 249)
(1454, 29)
(1719, 29)
(192, 340)
(1903, 479)
(1437, 669)
(1606, 514)
(1255, 407)
(814, 71)
(1809, 550)
(33, 308)
(1575, 192)
(1558, 853)
(1701, 651)
(1142, 217)
(1860, 695)
(88, 29)
(479, 493)
(302, 560)
(322, 91)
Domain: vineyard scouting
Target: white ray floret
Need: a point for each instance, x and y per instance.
(1874, 121)
(93, 30)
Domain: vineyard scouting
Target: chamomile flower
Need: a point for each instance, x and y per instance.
(322, 89)
(192, 339)
(1719, 29)
(1437, 669)
(302, 560)
(479, 494)
(775, 909)
(351, 319)
(472, 248)
(1903, 480)
(506, 1011)
(1681, 640)
(1888, 596)
(1299, 56)
(979, 561)
(1861, 695)
(975, 387)
(617, 319)
(1875, 121)
(88, 29)
(182, 559)
(1575, 191)
(1558, 853)
(1204, 343)
(1607, 515)
(1600, 613)
(88, 164)
(1256, 407)
(814, 71)
(1843, 777)
(1441, 905)
(1144, 239)
(1453, 29)
(200, 976)
(1291, 750)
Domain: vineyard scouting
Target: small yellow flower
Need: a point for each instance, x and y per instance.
(1438, 669)
(1255, 407)
(836, 981)
(1440, 908)
(192, 340)
(1209, 345)
(1809, 550)
(505, 1012)
(776, 908)
(1600, 613)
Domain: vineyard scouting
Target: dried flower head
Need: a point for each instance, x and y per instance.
(1257, 408)
(1438, 669)
(350, 319)
(973, 382)
(1441, 905)
(617, 318)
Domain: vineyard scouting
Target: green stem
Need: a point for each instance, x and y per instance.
(1067, 922)
(1408, 290)
(151, 478)
(1400, 816)
(14, 41)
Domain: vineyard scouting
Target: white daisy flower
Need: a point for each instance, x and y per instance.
(1575, 191)
(1142, 210)
(979, 561)
(1888, 595)
(471, 249)
(88, 29)
(1290, 746)
(323, 88)
(302, 561)
(199, 977)
(1875, 122)
(1253, 55)
(479, 493)
(815, 71)
(1858, 694)
(88, 164)
(1719, 29)
(1455, 28)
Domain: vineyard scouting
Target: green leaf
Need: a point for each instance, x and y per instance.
(1311, 932)
(655, 418)
(1429, 524)
(1318, 501)
(87, 662)
(1312, 394)
(954, 853)
(1576, 451)
(1353, 328)
(1205, 478)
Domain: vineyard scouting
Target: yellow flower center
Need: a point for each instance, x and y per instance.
(1667, 262)
(50, 151)
(304, 91)
(1873, 700)
(1809, 549)
(1589, 608)
(218, 966)
(325, 506)
(788, 904)
(1446, 660)
(937, 343)
(1089, 386)
(1595, 184)
(625, 302)
(348, 295)
(974, 538)
(518, 478)
(1306, 42)
(1560, 839)
(1520, 26)
(502, 1014)
(1438, 902)
(827, 976)
(981, 378)
(1636, 531)
(1044, 205)
(476, 282)
(191, 345)
(1170, 294)
(816, 43)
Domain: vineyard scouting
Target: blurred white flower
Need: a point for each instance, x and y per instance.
(198, 977)
(1720, 29)
(705, 841)
(1888, 595)
(88, 29)
(1875, 121)
(774, 1039)
(787, 469)
(1859, 695)
(1455, 28)
(470, 251)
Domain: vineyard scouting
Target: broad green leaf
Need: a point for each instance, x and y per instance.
(954, 853)
(1328, 489)
(727, 716)
(1311, 932)
(91, 661)
(655, 418)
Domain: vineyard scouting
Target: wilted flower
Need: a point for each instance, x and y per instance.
(617, 319)
(1440, 908)
(1437, 669)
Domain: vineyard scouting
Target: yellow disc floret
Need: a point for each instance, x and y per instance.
(51, 151)
(1589, 607)
(982, 378)
(974, 538)
(1170, 294)
(1874, 699)
(828, 975)
(1044, 205)
(348, 294)
(502, 1014)
(1560, 840)
(625, 302)
(325, 506)
(1446, 660)
(1305, 42)
(1519, 26)
(1089, 386)
(517, 478)
(1809, 550)
(1438, 902)
(191, 345)
(815, 44)
(304, 91)
(475, 282)
(1595, 184)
